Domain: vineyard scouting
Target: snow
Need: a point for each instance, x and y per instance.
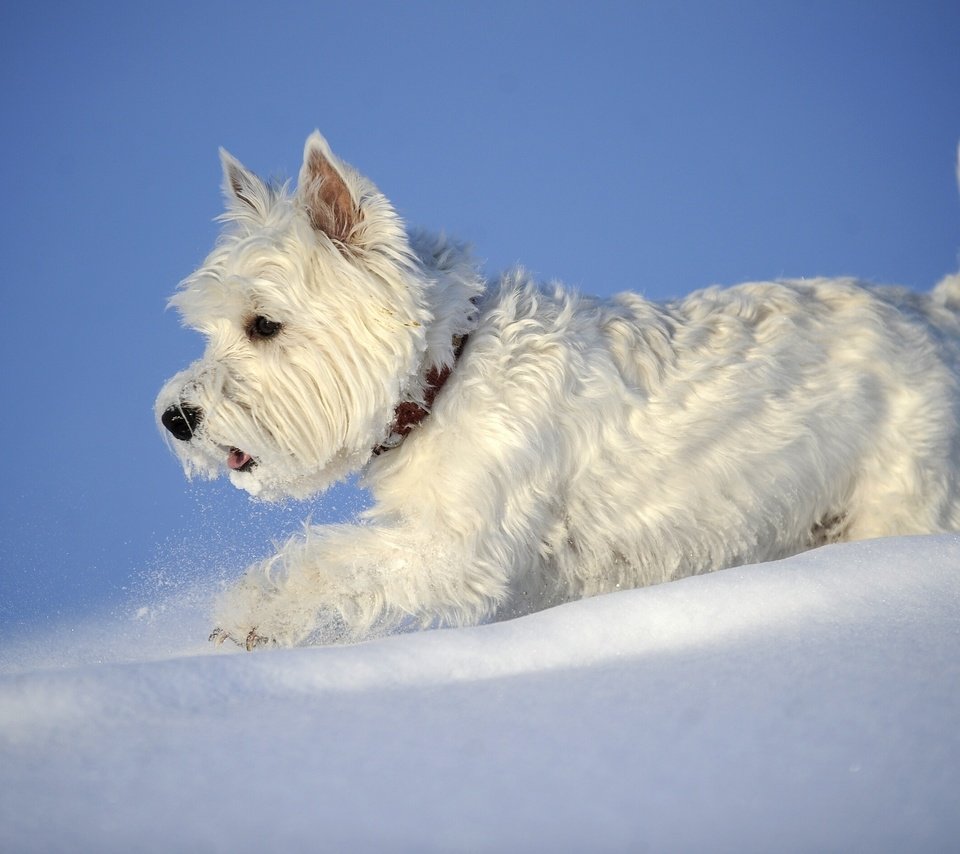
(807, 704)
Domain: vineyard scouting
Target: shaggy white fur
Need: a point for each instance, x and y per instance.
(579, 445)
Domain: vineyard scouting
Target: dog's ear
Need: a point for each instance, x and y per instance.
(241, 188)
(325, 191)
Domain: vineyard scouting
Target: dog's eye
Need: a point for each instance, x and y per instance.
(262, 327)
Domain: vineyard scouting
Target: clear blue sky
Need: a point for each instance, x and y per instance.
(655, 146)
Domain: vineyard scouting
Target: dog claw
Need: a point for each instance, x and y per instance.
(250, 643)
(254, 640)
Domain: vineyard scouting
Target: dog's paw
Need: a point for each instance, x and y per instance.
(250, 642)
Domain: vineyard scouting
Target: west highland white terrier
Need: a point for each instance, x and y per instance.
(525, 444)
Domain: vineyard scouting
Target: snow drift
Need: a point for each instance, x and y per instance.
(807, 704)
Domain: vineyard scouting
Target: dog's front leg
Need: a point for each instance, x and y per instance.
(347, 582)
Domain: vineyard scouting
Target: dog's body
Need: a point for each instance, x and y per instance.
(561, 446)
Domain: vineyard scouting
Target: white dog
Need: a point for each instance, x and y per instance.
(527, 445)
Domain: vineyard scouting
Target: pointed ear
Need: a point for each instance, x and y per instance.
(325, 191)
(240, 185)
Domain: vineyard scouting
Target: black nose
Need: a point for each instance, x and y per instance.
(182, 421)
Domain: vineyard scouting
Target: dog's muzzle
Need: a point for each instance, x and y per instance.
(182, 421)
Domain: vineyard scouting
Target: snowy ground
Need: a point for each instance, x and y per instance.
(807, 705)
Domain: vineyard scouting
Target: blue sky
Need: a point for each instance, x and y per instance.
(655, 146)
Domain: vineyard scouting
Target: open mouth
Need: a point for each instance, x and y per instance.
(240, 460)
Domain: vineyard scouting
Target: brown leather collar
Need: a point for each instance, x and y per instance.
(408, 414)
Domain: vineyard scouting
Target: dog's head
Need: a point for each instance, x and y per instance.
(315, 310)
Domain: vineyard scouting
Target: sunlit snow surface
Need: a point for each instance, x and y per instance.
(807, 705)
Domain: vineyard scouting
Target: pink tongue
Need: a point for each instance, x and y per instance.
(238, 459)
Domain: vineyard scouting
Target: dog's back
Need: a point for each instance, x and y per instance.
(757, 421)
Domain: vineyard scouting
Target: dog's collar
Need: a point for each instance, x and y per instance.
(409, 414)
